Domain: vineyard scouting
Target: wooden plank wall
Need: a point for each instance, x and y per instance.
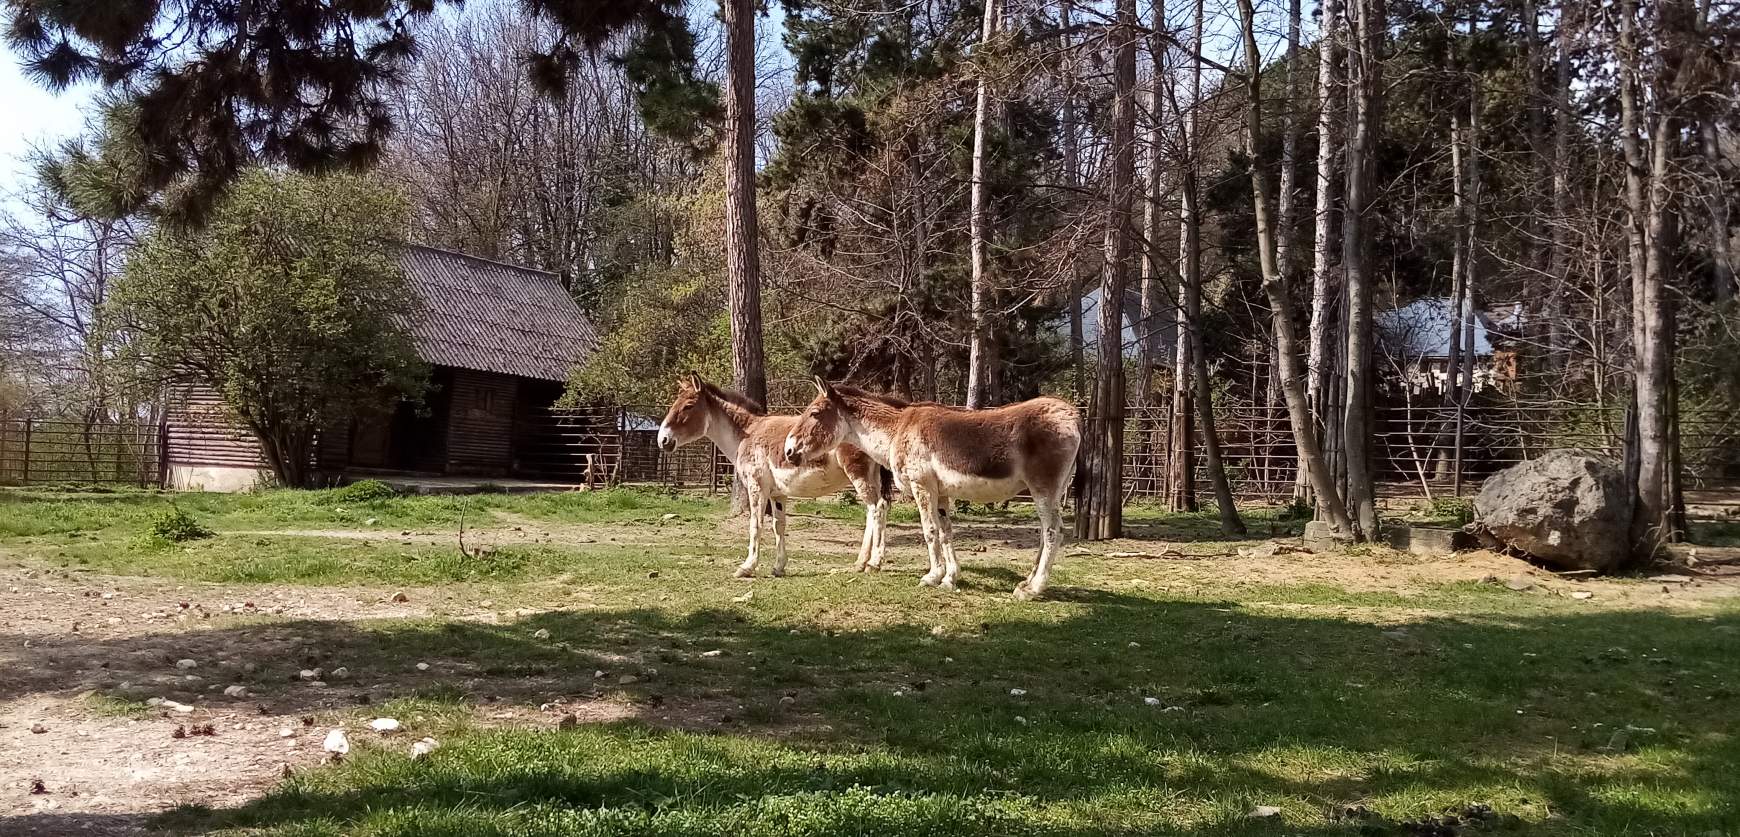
(201, 432)
(480, 423)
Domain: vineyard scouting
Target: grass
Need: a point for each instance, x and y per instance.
(26, 513)
(1549, 720)
(110, 706)
(1155, 697)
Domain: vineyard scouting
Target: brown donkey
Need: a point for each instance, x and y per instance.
(742, 431)
(939, 454)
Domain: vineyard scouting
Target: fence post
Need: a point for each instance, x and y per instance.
(163, 452)
(1456, 465)
(622, 446)
(27, 423)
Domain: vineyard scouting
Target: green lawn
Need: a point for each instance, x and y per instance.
(1145, 697)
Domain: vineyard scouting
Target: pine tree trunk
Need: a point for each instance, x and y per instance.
(982, 347)
(1274, 286)
(742, 256)
(1107, 431)
(1365, 73)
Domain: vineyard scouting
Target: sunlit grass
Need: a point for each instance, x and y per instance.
(1145, 697)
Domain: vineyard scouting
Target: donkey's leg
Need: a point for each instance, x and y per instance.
(880, 548)
(1049, 505)
(946, 531)
(757, 506)
(927, 519)
(778, 538)
(867, 546)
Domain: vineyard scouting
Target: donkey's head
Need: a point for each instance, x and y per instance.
(686, 421)
(821, 427)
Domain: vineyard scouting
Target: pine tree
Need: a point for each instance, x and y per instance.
(214, 86)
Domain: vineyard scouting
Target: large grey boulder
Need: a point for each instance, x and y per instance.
(1567, 508)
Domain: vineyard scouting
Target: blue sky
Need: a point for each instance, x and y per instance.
(34, 117)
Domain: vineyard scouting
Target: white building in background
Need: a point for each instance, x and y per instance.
(1090, 325)
(1415, 342)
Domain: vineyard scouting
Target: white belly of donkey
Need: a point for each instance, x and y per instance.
(961, 486)
(809, 481)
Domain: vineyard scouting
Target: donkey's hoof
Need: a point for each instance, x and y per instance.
(745, 572)
(949, 585)
(930, 580)
(779, 572)
(1025, 593)
(873, 568)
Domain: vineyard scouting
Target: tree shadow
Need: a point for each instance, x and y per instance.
(1591, 723)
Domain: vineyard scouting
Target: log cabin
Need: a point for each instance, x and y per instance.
(501, 341)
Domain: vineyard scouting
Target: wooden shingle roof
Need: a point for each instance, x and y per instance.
(493, 317)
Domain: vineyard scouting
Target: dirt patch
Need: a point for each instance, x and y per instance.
(81, 750)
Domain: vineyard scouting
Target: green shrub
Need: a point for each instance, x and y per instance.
(177, 526)
(364, 491)
(1459, 510)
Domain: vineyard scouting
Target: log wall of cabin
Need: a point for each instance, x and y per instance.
(480, 422)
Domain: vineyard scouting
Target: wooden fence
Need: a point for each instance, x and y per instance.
(35, 451)
(1419, 452)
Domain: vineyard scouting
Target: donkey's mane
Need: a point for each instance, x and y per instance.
(733, 398)
(882, 398)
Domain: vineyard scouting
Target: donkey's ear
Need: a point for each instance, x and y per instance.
(822, 387)
(693, 380)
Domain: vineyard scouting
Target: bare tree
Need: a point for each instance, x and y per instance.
(496, 168)
(1275, 288)
(1183, 419)
(1365, 72)
(58, 265)
(1154, 272)
(1099, 512)
(1071, 180)
(1560, 263)
(1652, 205)
(1324, 287)
(1286, 200)
(1719, 192)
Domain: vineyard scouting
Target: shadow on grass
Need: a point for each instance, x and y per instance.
(1592, 723)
